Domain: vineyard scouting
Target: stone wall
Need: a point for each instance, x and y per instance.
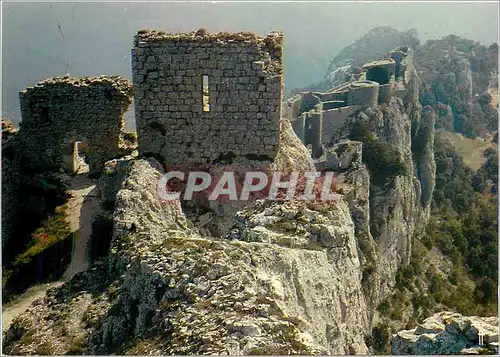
(309, 101)
(333, 121)
(291, 107)
(61, 110)
(385, 92)
(334, 104)
(313, 131)
(321, 115)
(244, 95)
(299, 126)
(380, 71)
(403, 59)
(363, 94)
(11, 184)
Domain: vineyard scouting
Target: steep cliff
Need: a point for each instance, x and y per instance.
(165, 289)
(398, 151)
(278, 277)
(293, 277)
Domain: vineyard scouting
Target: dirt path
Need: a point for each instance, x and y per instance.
(82, 206)
(81, 209)
(22, 303)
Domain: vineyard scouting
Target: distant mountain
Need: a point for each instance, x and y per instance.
(458, 77)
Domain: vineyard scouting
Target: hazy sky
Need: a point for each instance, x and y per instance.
(97, 37)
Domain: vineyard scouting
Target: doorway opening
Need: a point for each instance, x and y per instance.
(79, 163)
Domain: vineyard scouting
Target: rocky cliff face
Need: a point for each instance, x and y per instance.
(278, 278)
(457, 76)
(294, 288)
(389, 211)
(286, 278)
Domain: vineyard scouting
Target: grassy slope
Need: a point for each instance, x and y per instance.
(471, 149)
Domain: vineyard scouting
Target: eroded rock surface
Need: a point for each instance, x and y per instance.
(165, 289)
(448, 333)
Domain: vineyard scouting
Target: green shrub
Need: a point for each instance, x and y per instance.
(384, 306)
(53, 230)
(381, 339)
(382, 158)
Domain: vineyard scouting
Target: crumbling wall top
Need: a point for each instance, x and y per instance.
(203, 36)
(362, 84)
(122, 85)
(270, 47)
(401, 49)
(379, 62)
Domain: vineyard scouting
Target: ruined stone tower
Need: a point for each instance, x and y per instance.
(60, 111)
(201, 97)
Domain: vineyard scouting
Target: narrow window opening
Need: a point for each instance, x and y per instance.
(206, 105)
(45, 113)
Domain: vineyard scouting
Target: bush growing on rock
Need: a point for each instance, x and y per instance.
(382, 158)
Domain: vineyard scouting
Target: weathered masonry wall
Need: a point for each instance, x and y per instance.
(244, 95)
(333, 121)
(59, 111)
(363, 93)
(320, 118)
(403, 59)
(380, 71)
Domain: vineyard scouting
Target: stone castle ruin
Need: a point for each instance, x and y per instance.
(62, 114)
(316, 116)
(200, 97)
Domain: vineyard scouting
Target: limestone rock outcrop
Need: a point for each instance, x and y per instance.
(165, 289)
(448, 333)
(399, 209)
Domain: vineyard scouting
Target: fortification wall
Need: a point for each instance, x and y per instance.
(333, 104)
(408, 65)
(380, 71)
(309, 101)
(299, 126)
(244, 95)
(364, 94)
(385, 92)
(330, 97)
(403, 59)
(314, 132)
(59, 111)
(291, 107)
(333, 121)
